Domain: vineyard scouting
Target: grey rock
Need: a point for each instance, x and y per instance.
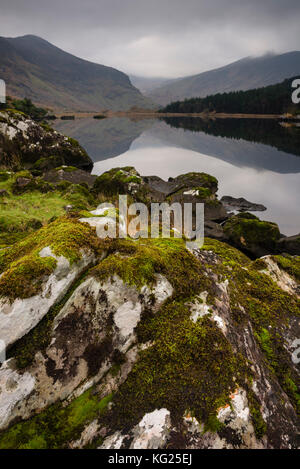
(241, 204)
(290, 245)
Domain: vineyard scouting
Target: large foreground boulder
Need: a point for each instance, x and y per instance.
(25, 143)
(156, 346)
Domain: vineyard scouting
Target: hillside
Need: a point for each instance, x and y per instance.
(34, 68)
(147, 84)
(244, 74)
(273, 99)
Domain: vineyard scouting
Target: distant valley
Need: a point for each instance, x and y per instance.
(245, 74)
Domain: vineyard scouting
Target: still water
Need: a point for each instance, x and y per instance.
(255, 159)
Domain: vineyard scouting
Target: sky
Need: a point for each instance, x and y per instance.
(158, 38)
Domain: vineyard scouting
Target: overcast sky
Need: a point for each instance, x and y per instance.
(168, 38)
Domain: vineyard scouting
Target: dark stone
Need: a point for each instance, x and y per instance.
(181, 188)
(184, 181)
(290, 245)
(214, 230)
(3, 193)
(75, 176)
(22, 182)
(241, 204)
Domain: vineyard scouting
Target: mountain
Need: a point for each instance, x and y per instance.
(148, 84)
(245, 74)
(36, 69)
(272, 99)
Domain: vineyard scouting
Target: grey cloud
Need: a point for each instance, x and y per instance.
(158, 37)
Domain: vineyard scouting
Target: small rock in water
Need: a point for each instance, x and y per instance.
(240, 204)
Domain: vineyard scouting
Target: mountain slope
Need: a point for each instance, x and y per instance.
(147, 84)
(241, 75)
(34, 68)
(272, 99)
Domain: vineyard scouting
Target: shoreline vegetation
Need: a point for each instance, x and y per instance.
(145, 114)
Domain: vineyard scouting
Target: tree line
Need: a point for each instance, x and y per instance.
(274, 99)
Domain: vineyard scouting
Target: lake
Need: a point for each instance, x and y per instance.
(252, 158)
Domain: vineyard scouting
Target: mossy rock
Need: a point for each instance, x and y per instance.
(4, 176)
(30, 184)
(184, 365)
(194, 180)
(291, 264)
(116, 181)
(24, 270)
(45, 164)
(252, 235)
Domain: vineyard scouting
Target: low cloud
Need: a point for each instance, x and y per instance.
(169, 38)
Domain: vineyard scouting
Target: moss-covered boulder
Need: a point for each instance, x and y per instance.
(37, 272)
(118, 181)
(252, 235)
(187, 188)
(190, 350)
(26, 144)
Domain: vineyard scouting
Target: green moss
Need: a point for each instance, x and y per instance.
(18, 208)
(190, 367)
(255, 296)
(265, 341)
(45, 164)
(73, 142)
(247, 231)
(23, 174)
(260, 426)
(226, 252)
(137, 262)
(24, 277)
(4, 176)
(203, 192)
(292, 389)
(22, 264)
(15, 111)
(206, 179)
(56, 426)
(291, 264)
(116, 181)
(78, 196)
(68, 169)
(213, 424)
(46, 127)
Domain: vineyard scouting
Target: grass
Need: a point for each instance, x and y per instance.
(23, 213)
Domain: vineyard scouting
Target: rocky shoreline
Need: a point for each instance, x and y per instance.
(123, 343)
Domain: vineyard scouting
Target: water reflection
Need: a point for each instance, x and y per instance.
(247, 157)
(105, 138)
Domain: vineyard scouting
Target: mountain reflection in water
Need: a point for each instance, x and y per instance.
(252, 158)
